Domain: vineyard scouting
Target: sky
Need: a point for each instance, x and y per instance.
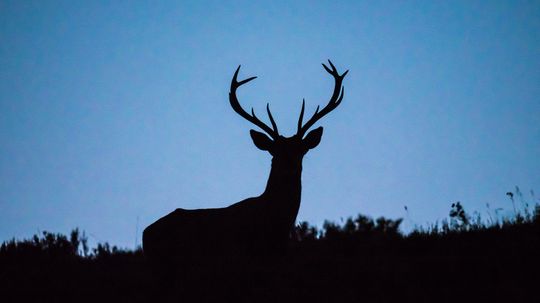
(113, 114)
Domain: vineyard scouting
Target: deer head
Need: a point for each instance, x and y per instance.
(288, 151)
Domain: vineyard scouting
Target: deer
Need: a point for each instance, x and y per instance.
(255, 226)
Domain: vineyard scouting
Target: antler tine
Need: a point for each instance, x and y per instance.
(274, 125)
(335, 100)
(235, 84)
(301, 116)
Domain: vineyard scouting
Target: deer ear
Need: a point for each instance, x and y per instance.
(261, 140)
(313, 138)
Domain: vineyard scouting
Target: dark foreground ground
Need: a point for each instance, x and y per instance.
(350, 263)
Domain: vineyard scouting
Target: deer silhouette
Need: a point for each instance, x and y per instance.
(254, 226)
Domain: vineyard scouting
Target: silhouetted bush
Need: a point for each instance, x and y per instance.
(362, 227)
(304, 232)
(46, 245)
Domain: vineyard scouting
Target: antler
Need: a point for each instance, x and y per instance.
(337, 96)
(235, 84)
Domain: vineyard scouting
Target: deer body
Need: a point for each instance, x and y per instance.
(260, 225)
(254, 226)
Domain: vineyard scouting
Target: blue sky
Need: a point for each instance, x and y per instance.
(117, 113)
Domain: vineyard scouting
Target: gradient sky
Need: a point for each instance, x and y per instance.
(114, 114)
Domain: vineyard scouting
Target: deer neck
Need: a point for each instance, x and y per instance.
(283, 190)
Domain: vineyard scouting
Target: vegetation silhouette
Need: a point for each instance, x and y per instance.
(257, 226)
(362, 259)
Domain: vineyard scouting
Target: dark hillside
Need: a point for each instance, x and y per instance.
(361, 260)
